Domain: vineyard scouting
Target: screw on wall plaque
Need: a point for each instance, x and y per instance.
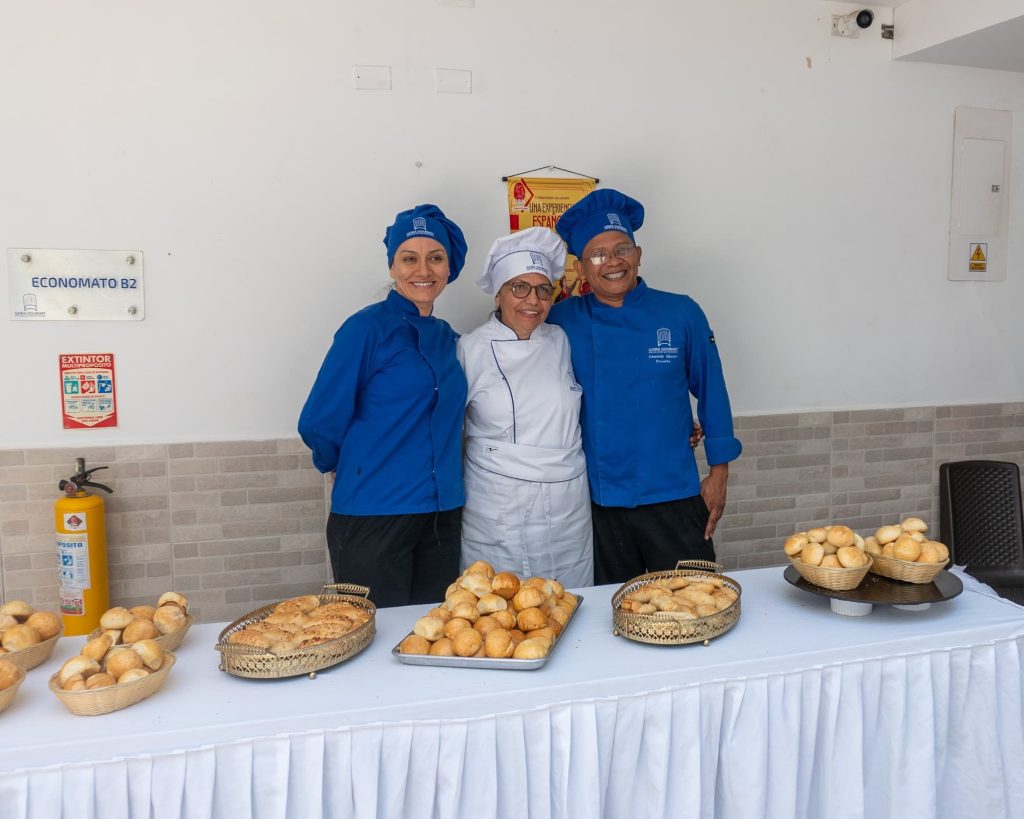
(25, 257)
(130, 260)
(132, 310)
(995, 189)
(72, 310)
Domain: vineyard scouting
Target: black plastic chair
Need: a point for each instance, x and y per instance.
(982, 523)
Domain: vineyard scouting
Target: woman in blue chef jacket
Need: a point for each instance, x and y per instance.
(385, 415)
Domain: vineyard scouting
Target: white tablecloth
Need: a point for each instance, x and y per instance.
(797, 712)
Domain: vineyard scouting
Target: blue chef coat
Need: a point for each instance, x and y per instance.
(638, 364)
(386, 413)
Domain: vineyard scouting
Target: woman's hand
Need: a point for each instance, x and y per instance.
(696, 436)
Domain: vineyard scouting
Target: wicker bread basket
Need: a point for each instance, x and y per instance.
(258, 663)
(834, 579)
(7, 695)
(906, 570)
(29, 658)
(664, 629)
(113, 697)
(168, 642)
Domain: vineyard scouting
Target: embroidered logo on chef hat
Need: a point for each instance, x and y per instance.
(419, 228)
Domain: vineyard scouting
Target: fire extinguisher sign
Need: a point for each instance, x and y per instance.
(88, 397)
(73, 555)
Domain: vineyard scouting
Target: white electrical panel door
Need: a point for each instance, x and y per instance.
(979, 208)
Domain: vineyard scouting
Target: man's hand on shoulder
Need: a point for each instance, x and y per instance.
(713, 490)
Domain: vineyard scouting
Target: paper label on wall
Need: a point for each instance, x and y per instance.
(979, 257)
(88, 397)
(73, 556)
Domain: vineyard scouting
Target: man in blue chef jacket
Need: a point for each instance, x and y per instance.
(639, 353)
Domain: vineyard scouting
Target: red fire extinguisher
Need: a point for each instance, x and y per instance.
(82, 552)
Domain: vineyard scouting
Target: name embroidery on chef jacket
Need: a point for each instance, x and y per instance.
(662, 352)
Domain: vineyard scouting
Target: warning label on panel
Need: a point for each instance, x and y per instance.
(979, 257)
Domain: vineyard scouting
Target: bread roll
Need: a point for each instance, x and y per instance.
(6, 621)
(100, 680)
(505, 619)
(505, 584)
(940, 549)
(528, 597)
(460, 596)
(830, 548)
(817, 534)
(481, 567)
(20, 637)
(116, 618)
(120, 660)
(558, 614)
(443, 648)
(114, 634)
(131, 675)
(45, 622)
(10, 674)
(887, 534)
(490, 603)
(840, 536)
(811, 555)
(80, 665)
(455, 625)
(531, 650)
(414, 644)
(531, 618)
(139, 629)
(303, 604)
(906, 548)
(913, 525)
(430, 627)
(152, 653)
(486, 624)
(478, 584)
(249, 637)
(466, 611)
(18, 609)
(97, 647)
(918, 536)
(929, 554)
(142, 612)
(570, 598)
(167, 619)
(851, 557)
(872, 546)
(794, 545)
(74, 683)
(858, 541)
(517, 636)
(467, 642)
(887, 550)
(172, 598)
(498, 643)
(441, 613)
(831, 562)
(541, 583)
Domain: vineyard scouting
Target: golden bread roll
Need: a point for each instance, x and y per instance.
(887, 534)
(554, 625)
(45, 622)
(481, 567)
(545, 633)
(673, 583)
(120, 660)
(486, 624)
(929, 554)
(441, 613)
(851, 557)
(131, 675)
(139, 629)
(249, 637)
(872, 546)
(100, 680)
(840, 536)
(541, 583)
(940, 548)
(505, 584)
(918, 536)
(830, 562)
(97, 647)
(172, 598)
(887, 550)
(114, 634)
(490, 603)
(793, 546)
(167, 619)
(10, 674)
(279, 647)
(478, 584)
(443, 648)
(151, 653)
(498, 643)
(460, 596)
(116, 618)
(414, 644)
(76, 682)
(529, 619)
(505, 619)
(906, 548)
(830, 548)
(303, 604)
(858, 541)
(570, 598)
(530, 649)
(706, 609)
(913, 525)
(466, 611)
(142, 612)
(6, 621)
(528, 597)
(559, 615)
(467, 642)
(817, 534)
(812, 554)
(517, 636)
(18, 609)
(455, 625)
(452, 588)
(20, 637)
(430, 627)
(84, 666)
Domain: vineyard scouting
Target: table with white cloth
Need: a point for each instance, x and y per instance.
(796, 712)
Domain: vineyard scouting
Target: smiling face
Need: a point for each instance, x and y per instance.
(420, 271)
(613, 279)
(523, 315)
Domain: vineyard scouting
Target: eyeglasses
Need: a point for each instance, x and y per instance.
(522, 289)
(621, 252)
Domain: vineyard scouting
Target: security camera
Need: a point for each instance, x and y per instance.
(846, 25)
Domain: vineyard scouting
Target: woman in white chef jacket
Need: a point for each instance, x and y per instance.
(527, 501)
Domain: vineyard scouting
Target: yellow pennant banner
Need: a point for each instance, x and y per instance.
(539, 202)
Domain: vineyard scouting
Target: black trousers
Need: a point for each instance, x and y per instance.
(651, 538)
(404, 559)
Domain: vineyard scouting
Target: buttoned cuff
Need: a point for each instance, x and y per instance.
(722, 450)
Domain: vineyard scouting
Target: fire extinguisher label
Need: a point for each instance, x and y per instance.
(73, 554)
(74, 522)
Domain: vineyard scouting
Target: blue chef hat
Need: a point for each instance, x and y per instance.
(430, 222)
(597, 212)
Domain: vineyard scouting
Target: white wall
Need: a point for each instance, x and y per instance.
(797, 185)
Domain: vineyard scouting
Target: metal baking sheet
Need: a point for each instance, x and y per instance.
(487, 662)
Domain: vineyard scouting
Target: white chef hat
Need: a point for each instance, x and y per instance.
(534, 250)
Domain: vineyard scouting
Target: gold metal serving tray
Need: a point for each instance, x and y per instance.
(509, 664)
